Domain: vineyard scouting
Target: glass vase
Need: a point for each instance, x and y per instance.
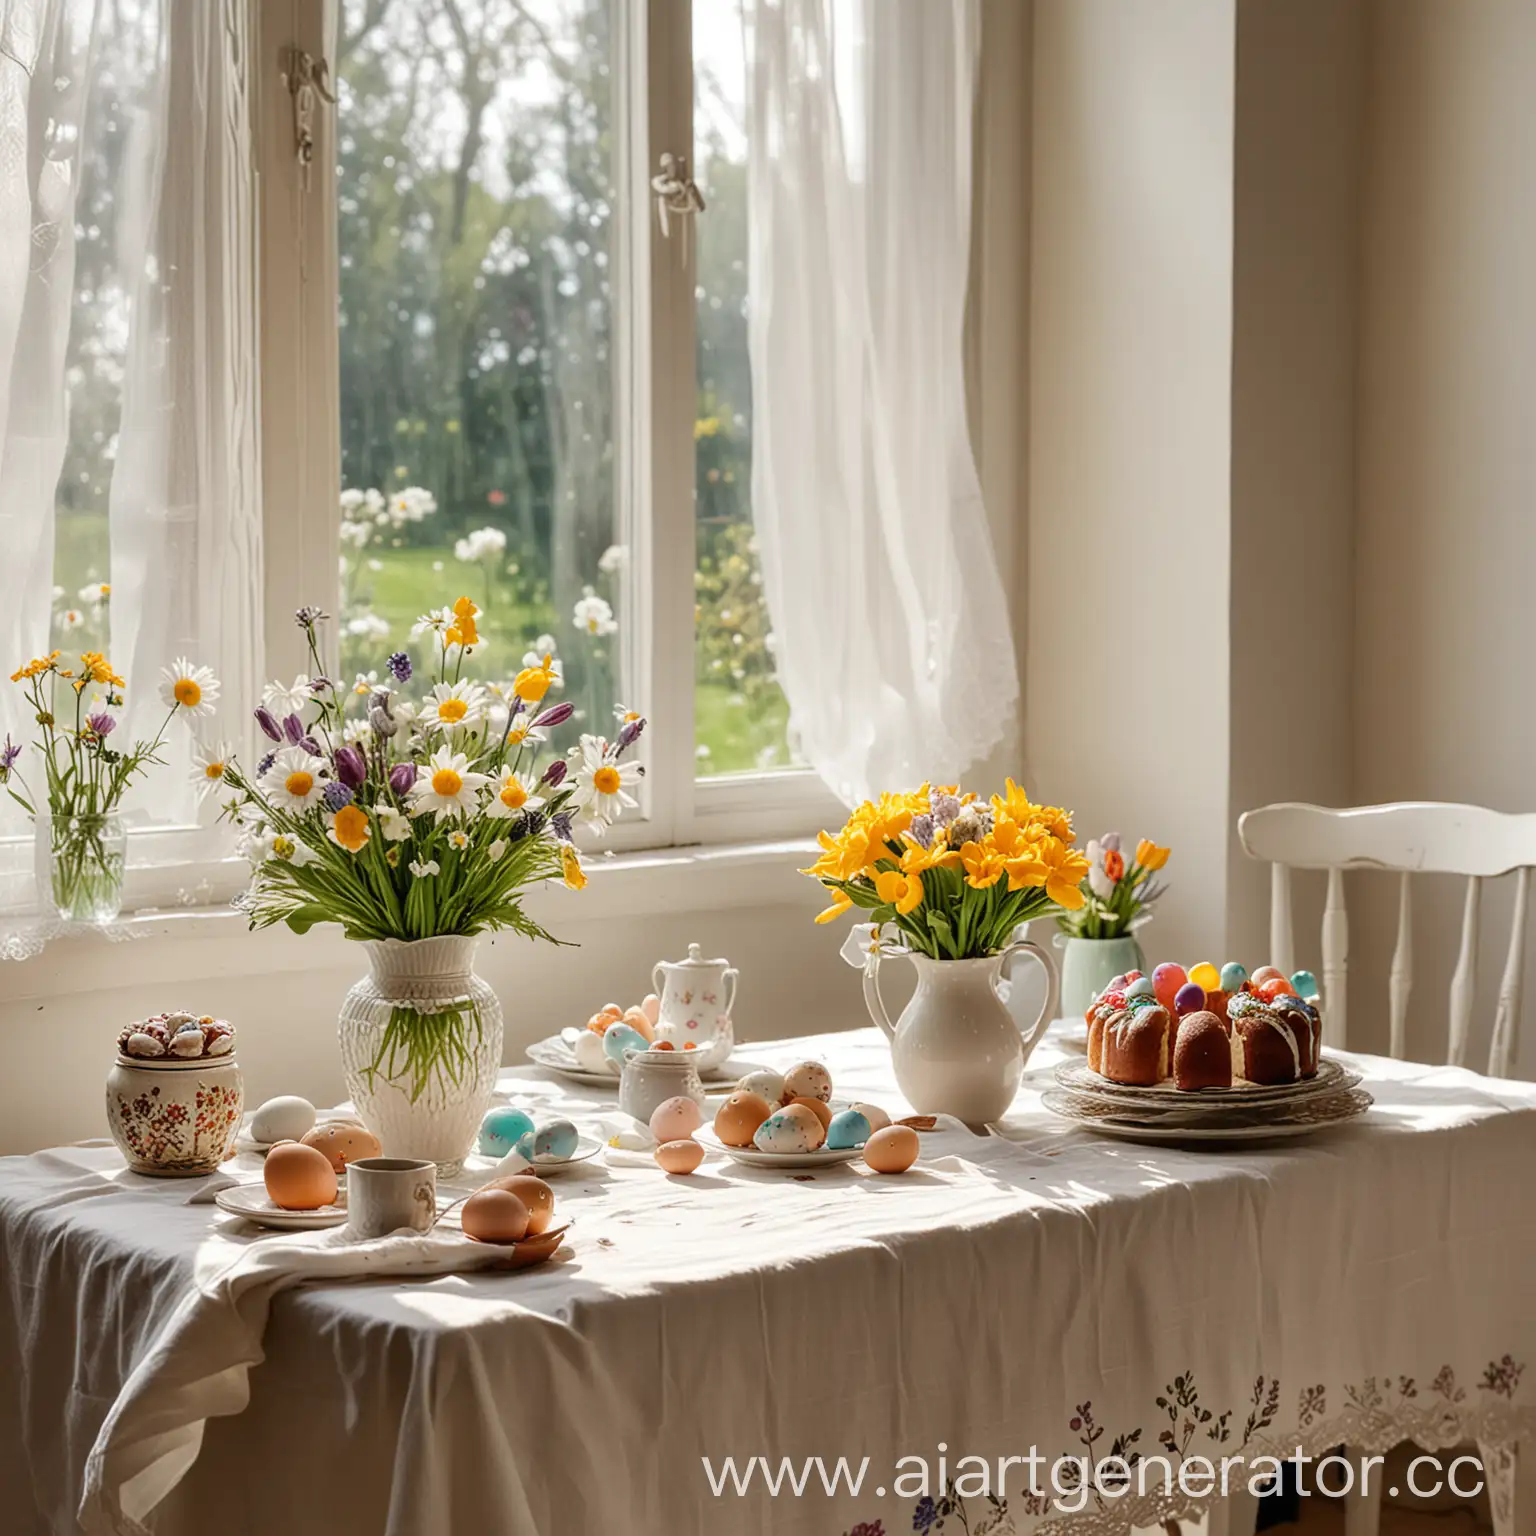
(79, 862)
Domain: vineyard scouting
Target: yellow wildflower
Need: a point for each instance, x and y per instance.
(349, 828)
(937, 855)
(983, 865)
(841, 901)
(36, 665)
(570, 867)
(532, 683)
(95, 668)
(1066, 869)
(462, 631)
(1150, 856)
(903, 890)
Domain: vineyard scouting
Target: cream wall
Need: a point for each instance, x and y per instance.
(1126, 588)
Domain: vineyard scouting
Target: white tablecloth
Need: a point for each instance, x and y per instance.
(1050, 1290)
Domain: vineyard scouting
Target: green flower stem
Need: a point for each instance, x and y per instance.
(417, 1045)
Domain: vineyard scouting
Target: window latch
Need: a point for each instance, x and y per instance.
(677, 196)
(307, 79)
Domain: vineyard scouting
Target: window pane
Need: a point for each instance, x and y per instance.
(740, 712)
(476, 232)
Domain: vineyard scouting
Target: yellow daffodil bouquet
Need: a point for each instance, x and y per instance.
(955, 874)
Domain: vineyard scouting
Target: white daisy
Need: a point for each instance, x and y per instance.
(458, 840)
(495, 851)
(393, 823)
(421, 871)
(454, 704)
(276, 845)
(513, 792)
(356, 730)
(71, 618)
(97, 593)
(446, 786)
(434, 619)
(593, 615)
(285, 699)
(296, 780)
(602, 784)
(626, 716)
(195, 689)
(208, 763)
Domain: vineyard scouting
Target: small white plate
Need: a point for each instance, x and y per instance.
(556, 1056)
(254, 1203)
(586, 1147)
(822, 1157)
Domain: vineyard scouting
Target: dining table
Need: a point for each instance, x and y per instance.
(1035, 1328)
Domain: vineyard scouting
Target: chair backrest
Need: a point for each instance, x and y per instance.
(1415, 837)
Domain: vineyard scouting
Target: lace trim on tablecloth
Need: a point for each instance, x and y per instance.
(1374, 1416)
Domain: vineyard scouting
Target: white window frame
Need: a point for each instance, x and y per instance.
(301, 449)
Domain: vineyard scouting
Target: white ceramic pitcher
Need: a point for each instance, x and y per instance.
(956, 1048)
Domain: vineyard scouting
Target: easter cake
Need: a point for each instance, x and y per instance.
(1206, 1028)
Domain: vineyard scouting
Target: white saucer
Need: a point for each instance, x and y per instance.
(554, 1055)
(587, 1147)
(822, 1157)
(254, 1203)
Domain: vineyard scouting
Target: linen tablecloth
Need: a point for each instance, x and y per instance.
(1045, 1290)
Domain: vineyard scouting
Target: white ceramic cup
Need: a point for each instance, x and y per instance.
(385, 1194)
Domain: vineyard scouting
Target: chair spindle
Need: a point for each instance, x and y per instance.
(1501, 1052)
(1400, 984)
(1464, 980)
(1336, 956)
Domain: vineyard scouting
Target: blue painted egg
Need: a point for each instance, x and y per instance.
(501, 1129)
(849, 1128)
(1233, 976)
(1142, 987)
(619, 1038)
(554, 1141)
(1305, 983)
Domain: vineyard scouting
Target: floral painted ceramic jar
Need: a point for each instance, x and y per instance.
(174, 1111)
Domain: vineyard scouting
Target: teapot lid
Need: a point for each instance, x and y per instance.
(695, 958)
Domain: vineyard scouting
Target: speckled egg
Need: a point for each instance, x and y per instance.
(849, 1128)
(675, 1119)
(877, 1117)
(535, 1194)
(502, 1128)
(553, 1142)
(767, 1085)
(342, 1143)
(810, 1080)
(621, 1038)
(299, 1178)
(286, 1118)
(681, 1156)
(892, 1150)
(737, 1120)
(495, 1216)
(187, 1042)
(818, 1107)
(791, 1129)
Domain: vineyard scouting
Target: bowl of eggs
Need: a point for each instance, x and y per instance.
(789, 1121)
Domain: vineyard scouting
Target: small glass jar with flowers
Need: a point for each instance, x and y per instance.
(1098, 939)
(416, 825)
(80, 774)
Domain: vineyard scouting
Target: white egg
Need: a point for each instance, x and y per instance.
(141, 1044)
(766, 1084)
(283, 1119)
(588, 1051)
(787, 1131)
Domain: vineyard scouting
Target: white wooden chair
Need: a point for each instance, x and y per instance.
(1408, 839)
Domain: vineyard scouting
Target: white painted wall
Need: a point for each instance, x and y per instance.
(1127, 686)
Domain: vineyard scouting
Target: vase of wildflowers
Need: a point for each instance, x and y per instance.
(417, 824)
(82, 774)
(1098, 939)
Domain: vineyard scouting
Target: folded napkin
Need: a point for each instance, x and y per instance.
(198, 1366)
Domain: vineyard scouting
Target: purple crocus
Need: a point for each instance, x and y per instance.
(8, 755)
(351, 767)
(319, 685)
(337, 795)
(268, 723)
(293, 729)
(556, 714)
(554, 775)
(401, 777)
(101, 723)
(399, 667)
(629, 733)
(310, 745)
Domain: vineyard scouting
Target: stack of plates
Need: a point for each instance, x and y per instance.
(1166, 1113)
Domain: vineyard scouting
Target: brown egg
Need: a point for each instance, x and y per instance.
(637, 1020)
(495, 1216)
(877, 1117)
(299, 1178)
(892, 1150)
(737, 1120)
(822, 1110)
(535, 1194)
(679, 1156)
(343, 1144)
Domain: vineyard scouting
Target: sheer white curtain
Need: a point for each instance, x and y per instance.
(889, 614)
(148, 96)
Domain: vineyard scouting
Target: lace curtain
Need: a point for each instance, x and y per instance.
(152, 95)
(892, 630)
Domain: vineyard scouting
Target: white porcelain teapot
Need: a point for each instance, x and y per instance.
(697, 996)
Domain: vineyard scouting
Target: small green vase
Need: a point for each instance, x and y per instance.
(1089, 965)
